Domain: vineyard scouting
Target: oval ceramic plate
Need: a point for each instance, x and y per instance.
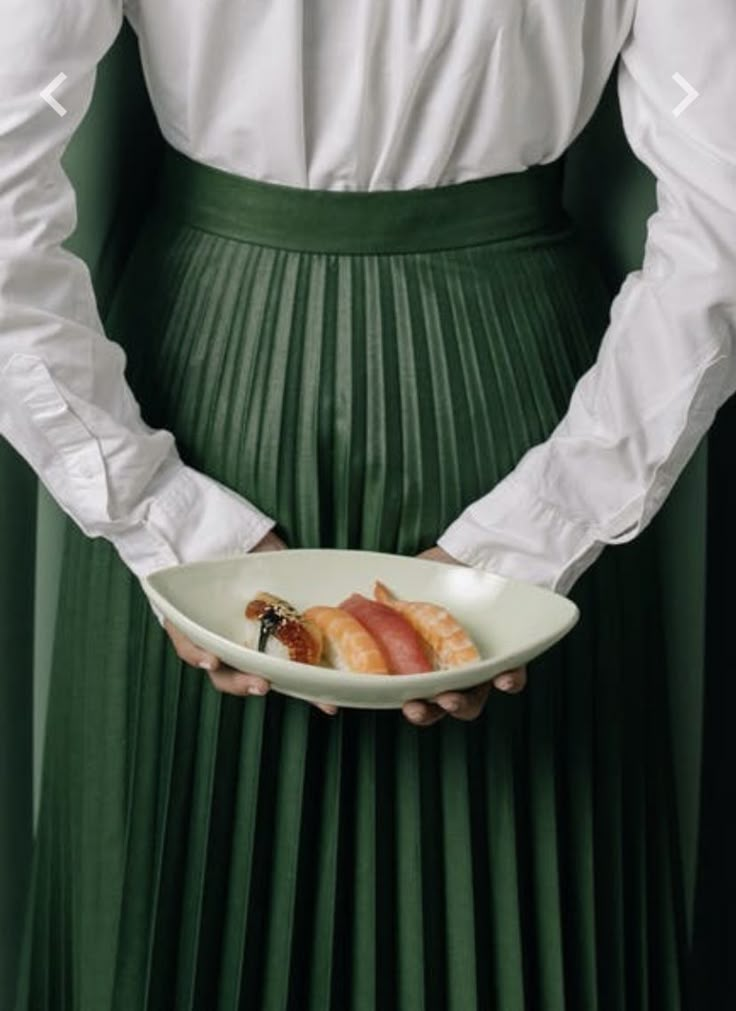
(511, 622)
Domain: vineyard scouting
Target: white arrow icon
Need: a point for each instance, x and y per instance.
(689, 98)
(47, 96)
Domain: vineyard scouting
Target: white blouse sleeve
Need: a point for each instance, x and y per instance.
(668, 358)
(64, 402)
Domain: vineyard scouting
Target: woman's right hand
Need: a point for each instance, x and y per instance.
(224, 678)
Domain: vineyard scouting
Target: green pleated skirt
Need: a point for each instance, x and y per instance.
(361, 366)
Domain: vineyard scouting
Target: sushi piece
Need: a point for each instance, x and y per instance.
(448, 640)
(401, 645)
(347, 645)
(277, 628)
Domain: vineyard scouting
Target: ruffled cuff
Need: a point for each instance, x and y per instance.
(514, 533)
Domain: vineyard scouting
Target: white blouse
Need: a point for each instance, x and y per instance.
(368, 95)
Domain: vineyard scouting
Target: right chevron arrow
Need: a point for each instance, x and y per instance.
(691, 94)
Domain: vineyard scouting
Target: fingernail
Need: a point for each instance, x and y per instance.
(415, 713)
(329, 710)
(257, 690)
(505, 684)
(450, 705)
(206, 664)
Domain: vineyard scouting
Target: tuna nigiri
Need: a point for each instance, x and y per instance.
(450, 643)
(348, 645)
(402, 646)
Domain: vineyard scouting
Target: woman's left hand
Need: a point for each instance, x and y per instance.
(464, 705)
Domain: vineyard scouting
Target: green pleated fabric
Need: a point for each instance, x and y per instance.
(361, 366)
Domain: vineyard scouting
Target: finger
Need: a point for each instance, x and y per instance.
(235, 682)
(422, 714)
(467, 705)
(187, 651)
(326, 707)
(511, 681)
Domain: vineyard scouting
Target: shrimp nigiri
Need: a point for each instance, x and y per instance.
(348, 645)
(450, 643)
(397, 639)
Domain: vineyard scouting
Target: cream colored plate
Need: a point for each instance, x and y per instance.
(511, 622)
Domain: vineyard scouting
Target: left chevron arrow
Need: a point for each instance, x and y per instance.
(49, 98)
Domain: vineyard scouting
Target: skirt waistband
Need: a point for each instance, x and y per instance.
(493, 209)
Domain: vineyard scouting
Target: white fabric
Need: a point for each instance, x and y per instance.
(367, 95)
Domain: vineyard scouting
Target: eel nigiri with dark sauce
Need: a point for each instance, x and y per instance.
(275, 627)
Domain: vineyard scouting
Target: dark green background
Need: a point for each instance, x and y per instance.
(611, 195)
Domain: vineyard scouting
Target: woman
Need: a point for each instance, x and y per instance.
(357, 316)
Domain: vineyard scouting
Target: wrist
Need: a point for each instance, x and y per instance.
(271, 542)
(439, 554)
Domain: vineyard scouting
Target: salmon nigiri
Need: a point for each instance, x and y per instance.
(348, 645)
(450, 643)
(403, 648)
